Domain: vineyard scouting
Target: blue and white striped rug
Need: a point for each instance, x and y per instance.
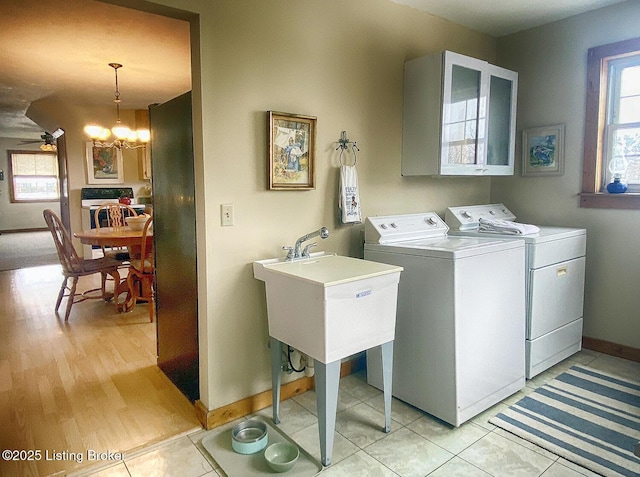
(586, 416)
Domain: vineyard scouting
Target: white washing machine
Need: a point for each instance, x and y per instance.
(555, 258)
(459, 345)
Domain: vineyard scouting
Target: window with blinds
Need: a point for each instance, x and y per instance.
(33, 176)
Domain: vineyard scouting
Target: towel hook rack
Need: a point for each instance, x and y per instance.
(343, 144)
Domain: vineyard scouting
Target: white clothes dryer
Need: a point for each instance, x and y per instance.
(459, 344)
(555, 258)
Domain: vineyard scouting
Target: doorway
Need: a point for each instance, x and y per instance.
(133, 4)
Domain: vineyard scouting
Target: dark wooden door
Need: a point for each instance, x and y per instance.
(63, 169)
(174, 231)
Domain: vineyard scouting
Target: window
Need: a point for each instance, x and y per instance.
(622, 130)
(33, 176)
(612, 125)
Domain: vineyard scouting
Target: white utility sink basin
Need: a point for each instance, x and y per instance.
(329, 306)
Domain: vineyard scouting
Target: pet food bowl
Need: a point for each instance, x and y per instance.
(249, 437)
(281, 456)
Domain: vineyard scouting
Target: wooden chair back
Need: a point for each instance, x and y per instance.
(116, 215)
(69, 259)
(146, 249)
(142, 273)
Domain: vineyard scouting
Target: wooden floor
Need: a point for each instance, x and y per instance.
(88, 384)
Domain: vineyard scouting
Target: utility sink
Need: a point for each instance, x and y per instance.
(330, 306)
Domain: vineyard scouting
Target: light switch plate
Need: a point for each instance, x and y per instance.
(226, 215)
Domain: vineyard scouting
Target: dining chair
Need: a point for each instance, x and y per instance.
(74, 267)
(142, 273)
(114, 215)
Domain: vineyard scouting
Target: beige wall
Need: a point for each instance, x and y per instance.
(551, 61)
(342, 62)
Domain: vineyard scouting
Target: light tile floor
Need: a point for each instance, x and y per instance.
(418, 444)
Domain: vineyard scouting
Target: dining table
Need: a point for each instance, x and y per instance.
(117, 237)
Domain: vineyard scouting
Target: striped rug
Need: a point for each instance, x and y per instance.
(586, 416)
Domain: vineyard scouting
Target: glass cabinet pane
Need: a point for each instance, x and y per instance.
(460, 134)
(500, 95)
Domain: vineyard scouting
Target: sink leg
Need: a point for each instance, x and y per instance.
(387, 370)
(276, 364)
(327, 382)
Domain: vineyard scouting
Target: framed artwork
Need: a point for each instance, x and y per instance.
(543, 151)
(104, 165)
(292, 151)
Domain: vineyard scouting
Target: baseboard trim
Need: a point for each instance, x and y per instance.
(16, 231)
(613, 349)
(217, 417)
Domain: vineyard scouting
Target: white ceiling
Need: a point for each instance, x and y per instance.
(61, 49)
(503, 17)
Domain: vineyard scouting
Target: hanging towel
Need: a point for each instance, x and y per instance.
(348, 196)
(497, 226)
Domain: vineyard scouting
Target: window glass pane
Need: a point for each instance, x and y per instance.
(624, 150)
(472, 108)
(457, 111)
(627, 143)
(471, 130)
(35, 188)
(500, 120)
(629, 110)
(461, 129)
(631, 81)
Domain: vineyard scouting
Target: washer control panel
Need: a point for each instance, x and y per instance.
(400, 228)
(468, 217)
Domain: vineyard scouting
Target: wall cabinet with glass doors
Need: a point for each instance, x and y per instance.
(458, 117)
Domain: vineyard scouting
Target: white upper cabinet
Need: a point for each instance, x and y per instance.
(458, 117)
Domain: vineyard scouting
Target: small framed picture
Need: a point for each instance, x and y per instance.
(292, 151)
(104, 165)
(543, 151)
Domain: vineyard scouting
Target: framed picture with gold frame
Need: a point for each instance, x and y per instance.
(104, 165)
(543, 151)
(292, 151)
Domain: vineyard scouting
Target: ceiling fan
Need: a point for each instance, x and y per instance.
(47, 139)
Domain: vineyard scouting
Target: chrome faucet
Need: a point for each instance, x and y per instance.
(297, 252)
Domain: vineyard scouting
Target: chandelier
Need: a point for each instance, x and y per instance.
(125, 138)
